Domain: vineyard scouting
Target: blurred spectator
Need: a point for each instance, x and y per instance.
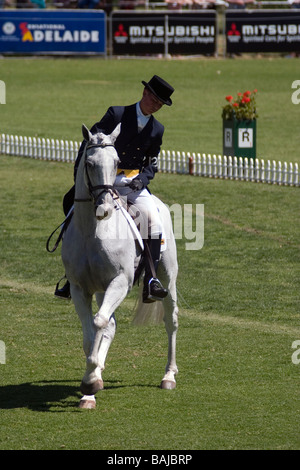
(130, 4)
(88, 4)
(65, 3)
(238, 4)
(194, 4)
(127, 4)
(24, 4)
(6, 3)
(96, 5)
(39, 3)
(294, 3)
(206, 4)
(178, 4)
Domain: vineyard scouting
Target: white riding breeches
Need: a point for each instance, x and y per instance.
(145, 211)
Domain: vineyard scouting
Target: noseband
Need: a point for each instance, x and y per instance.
(105, 188)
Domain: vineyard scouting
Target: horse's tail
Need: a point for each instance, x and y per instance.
(146, 314)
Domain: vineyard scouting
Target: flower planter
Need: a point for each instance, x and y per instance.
(239, 138)
(239, 125)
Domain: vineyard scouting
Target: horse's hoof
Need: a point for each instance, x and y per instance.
(168, 385)
(91, 389)
(87, 404)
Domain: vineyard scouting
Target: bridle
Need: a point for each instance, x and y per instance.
(105, 188)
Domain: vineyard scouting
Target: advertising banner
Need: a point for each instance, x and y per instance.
(161, 32)
(53, 31)
(262, 31)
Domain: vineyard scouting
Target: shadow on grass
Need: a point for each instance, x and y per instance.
(52, 396)
(40, 396)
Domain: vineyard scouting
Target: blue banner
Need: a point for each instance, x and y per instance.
(53, 32)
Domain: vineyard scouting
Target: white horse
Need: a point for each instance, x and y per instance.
(100, 260)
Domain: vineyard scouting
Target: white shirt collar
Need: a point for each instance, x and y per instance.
(141, 118)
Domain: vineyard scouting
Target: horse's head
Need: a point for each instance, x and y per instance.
(101, 163)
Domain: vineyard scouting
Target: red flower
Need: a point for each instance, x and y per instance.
(243, 107)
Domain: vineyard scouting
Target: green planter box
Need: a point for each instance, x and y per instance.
(239, 138)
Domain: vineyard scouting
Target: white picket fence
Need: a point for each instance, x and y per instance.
(197, 164)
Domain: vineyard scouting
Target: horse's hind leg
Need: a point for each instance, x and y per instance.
(168, 276)
(171, 325)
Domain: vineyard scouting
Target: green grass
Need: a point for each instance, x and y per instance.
(239, 314)
(237, 386)
(52, 97)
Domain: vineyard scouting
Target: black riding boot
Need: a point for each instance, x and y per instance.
(153, 290)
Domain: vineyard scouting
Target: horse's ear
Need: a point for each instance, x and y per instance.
(86, 133)
(115, 133)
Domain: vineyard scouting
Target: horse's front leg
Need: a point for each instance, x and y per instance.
(92, 379)
(88, 400)
(104, 319)
(108, 335)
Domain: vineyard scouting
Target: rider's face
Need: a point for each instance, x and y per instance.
(149, 103)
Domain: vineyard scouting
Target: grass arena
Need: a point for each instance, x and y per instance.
(238, 337)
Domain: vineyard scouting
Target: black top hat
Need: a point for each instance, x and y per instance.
(160, 88)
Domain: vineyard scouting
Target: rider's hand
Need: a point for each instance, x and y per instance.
(136, 184)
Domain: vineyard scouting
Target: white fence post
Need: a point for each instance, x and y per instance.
(168, 162)
(57, 150)
(162, 161)
(296, 175)
(262, 177)
(204, 166)
(279, 173)
(2, 143)
(220, 167)
(209, 165)
(225, 167)
(198, 165)
(240, 169)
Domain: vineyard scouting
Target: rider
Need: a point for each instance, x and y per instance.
(138, 146)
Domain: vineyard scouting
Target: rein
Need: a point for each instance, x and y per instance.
(63, 227)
